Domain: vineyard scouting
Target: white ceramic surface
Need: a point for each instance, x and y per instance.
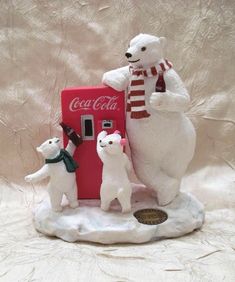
(89, 223)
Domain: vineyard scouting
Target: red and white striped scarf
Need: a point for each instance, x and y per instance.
(136, 94)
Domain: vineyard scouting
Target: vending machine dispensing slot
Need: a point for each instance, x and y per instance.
(87, 125)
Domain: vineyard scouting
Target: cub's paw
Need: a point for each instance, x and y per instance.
(161, 101)
(104, 206)
(57, 209)
(101, 135)
(126, 210)
(29, 178)
(114, 80)
(74, 204)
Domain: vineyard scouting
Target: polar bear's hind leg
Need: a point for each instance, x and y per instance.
(124, 199)
(72, 196)
(167, 191)
(165, 186)
(106, 196)
(55, 198)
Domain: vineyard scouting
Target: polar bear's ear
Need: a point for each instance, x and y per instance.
(123, 141)
(117, 132)
(39, 149)
(162, 42)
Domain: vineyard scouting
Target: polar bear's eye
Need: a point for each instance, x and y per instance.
(110, 142)
(50, 142)
(143, 48)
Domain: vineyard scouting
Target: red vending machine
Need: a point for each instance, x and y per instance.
(90, 110)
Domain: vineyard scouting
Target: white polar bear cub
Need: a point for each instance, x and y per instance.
(61, 181)
(162, 138)
(116, 165)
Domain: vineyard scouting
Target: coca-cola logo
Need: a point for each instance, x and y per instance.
(103, 103)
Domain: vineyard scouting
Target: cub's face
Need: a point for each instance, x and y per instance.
(111, 144)
(145, 50)
(50, 148)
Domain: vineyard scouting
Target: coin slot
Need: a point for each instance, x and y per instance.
(107, 124)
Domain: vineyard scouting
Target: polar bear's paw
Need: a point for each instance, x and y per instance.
(101, 135)
(74, 204)
(104, 206)
(28, 178)
(161, 101)
(57, 208)
(115, 80)
(126, 209)
(168, 191)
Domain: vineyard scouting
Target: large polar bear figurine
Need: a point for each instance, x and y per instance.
(161, 137)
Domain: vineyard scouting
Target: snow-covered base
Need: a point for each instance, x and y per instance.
(89, 223)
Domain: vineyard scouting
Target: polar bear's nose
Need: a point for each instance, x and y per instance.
(128, 55)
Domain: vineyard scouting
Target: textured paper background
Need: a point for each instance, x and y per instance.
(48, 45)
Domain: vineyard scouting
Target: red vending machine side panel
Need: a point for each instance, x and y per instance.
(90, 110)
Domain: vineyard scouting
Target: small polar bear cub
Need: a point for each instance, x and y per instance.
(61, 181)
(116, 165)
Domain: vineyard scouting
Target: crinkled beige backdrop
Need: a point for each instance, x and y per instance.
(48, 45)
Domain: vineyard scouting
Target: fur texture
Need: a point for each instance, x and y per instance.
(61, 182)
(163, 144)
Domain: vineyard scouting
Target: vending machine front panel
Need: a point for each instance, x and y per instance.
(90, 110)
